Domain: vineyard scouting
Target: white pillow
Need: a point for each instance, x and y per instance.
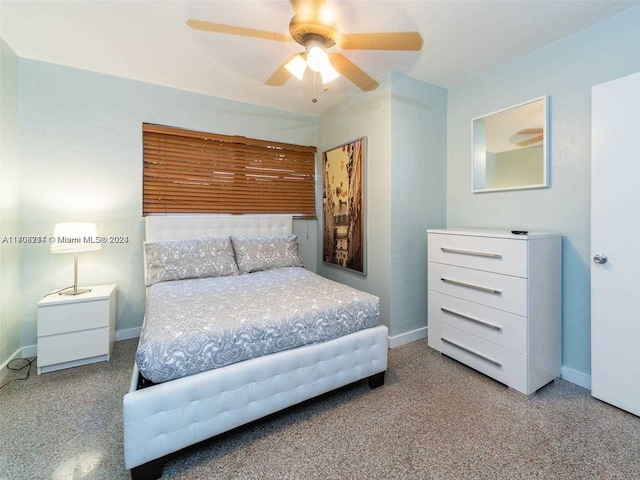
(263, 253)
(194, 258)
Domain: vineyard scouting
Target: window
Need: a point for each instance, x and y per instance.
(196, 172)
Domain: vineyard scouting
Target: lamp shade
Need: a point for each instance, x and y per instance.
(74, 237)
(297, 66)
(328, 73)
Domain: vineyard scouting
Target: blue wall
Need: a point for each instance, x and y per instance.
(364, 115)
(9, 206)
(565, 70)
(418, 193)
(81, 160)
(404, 121)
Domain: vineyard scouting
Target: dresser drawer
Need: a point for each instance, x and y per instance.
(67, 317)
(72, 346)
(496, 326)
(504, 365)
(498, 291)
(499, 255)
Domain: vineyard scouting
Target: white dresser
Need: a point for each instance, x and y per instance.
(76, 330)
(495, 303)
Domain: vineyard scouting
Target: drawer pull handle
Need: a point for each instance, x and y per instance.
(472, 319)
(471, 285)
(469, 252)
(472, 352)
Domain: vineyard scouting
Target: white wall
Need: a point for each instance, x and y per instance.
(9, 205)
(565, 70)
(81, 159)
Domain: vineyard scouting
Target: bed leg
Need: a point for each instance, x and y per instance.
(376, 380)
(148, 471)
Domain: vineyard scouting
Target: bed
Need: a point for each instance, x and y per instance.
(188, 402)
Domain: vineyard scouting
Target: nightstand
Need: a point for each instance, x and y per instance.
(76, 330)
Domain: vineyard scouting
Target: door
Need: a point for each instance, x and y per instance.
(615, 243)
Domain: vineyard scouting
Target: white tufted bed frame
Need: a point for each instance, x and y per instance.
(164, 418)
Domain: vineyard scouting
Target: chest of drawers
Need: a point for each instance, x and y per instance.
(76, 330)
(494, 303)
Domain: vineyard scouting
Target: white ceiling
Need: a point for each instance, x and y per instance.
(149, 41)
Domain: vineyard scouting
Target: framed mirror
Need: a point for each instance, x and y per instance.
(510, 148)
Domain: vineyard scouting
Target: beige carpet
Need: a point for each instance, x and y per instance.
(433, 419)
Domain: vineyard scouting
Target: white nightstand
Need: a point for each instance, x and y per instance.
(76, 330)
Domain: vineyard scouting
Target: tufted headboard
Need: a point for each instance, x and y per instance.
(159, 228)
(162, 228)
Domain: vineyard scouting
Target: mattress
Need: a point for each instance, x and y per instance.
(197, 325)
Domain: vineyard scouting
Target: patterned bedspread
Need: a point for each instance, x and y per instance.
(199, 324)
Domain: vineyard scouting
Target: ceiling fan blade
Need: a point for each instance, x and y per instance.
(306, 6)
(281, 75)
(530, 131)
(347, 68)
(530, 141)
(230, 29)
(381, 41)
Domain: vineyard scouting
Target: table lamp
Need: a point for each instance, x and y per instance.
(75, 238)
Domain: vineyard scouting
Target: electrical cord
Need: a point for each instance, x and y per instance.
(29, 362)
(17, 369)
(57, 291)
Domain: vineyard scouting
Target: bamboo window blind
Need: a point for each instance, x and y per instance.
(186, 171)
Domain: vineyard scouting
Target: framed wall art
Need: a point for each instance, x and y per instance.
(343, 196)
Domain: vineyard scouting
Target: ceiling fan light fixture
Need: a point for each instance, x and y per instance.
(317, 59)
(328, 74)
(297, 66)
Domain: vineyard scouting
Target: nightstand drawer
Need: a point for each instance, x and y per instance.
(504, 365)
(496, 326)
(499, 255)
(494, 290)
(71, 346)
(66, 317)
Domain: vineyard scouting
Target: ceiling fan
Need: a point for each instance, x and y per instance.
(312, 28)
(538, 136)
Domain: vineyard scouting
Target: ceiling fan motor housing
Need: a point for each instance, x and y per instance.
(305, 27)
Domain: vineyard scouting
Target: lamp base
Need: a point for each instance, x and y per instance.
(72, 291)
(75, 290)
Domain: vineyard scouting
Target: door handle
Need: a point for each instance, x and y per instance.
(600, 258)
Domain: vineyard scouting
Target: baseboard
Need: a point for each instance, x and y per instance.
(408, 337)
(30, 351)
(128, 333)
(574, 376)
(23, 352)
(3, 368)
